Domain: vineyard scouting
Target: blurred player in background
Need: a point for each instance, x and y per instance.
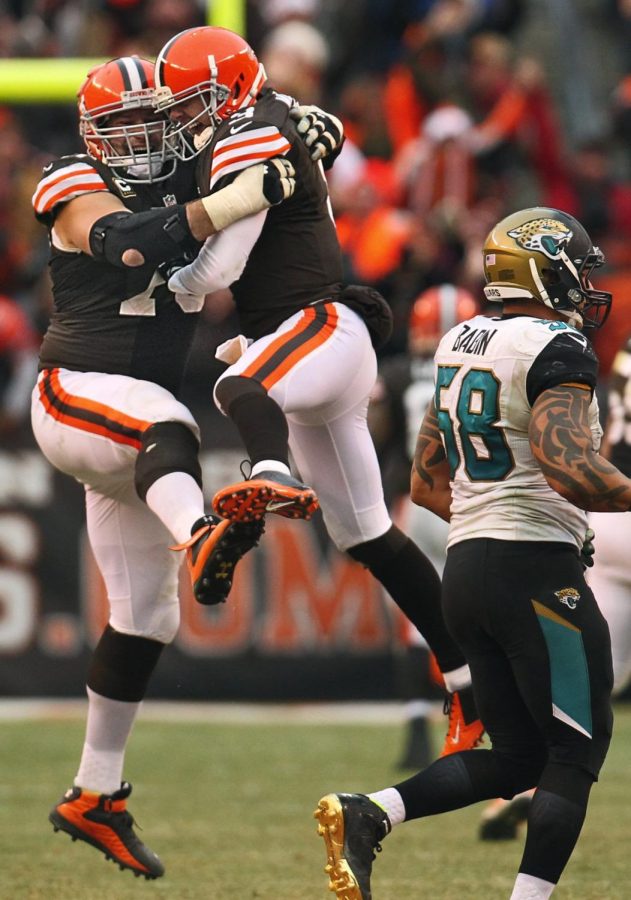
(401, 394)
(301, 373)
(508, 454)
(610, 577)
(105, 409)
(18, 364)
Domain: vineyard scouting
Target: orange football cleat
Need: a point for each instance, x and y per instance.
(268, 492)
(213, 551)
(461, 734)
(103, 821)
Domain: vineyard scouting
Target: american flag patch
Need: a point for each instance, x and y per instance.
(65, 184)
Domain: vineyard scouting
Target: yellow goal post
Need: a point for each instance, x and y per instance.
(57, 80)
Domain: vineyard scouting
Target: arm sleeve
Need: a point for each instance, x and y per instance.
(221, 260)
(568, 358)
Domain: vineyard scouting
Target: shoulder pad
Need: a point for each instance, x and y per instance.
(568, 358)
(64, 179)
(245, 141)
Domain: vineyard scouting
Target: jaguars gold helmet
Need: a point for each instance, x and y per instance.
(546, 255)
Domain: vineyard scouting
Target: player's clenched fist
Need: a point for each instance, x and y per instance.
(279, 181)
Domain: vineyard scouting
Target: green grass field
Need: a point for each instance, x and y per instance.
(228, 808)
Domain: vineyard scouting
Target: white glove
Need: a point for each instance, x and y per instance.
(321, 132)
(233, 349)
(190, 303)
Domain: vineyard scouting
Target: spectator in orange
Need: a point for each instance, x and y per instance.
(373, 231)
(515, 116)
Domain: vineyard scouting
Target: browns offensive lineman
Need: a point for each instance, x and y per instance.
(305, 378)
(105, 409)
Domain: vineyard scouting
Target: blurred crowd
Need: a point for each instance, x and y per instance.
(456, 112)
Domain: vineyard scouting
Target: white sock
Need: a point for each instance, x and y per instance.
(527, 887)
(269, 465)
(107, 731)
(391, 802)
(457, 679)
(178, 502)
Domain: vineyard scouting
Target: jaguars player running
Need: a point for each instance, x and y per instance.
(105, 409)
(508, 454)
(304, 380)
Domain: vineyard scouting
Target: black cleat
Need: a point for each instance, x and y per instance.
(273, 492)
(213, 551)
(352, 827)
(102, 820)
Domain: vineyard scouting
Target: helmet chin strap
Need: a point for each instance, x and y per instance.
(540, 285)
(573, 316)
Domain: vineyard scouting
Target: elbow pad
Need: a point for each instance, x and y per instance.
(159, 234)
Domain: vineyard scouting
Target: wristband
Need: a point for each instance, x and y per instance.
(244, 197)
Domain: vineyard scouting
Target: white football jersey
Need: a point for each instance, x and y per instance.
(488, 373)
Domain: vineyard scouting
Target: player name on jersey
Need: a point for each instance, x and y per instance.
(473, 340)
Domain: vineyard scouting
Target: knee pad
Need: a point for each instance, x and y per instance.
(122, 665)
(381, 550)
(233, 388)
(166, 447)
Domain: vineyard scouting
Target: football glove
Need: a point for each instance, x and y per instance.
(588, 549)
(322, 133)
(166, 269)
(279, 180)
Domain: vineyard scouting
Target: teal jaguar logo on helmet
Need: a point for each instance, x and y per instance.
(570, 596)
(548, 236)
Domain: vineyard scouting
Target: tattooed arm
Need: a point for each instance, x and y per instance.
(561, 441)
(430, 473)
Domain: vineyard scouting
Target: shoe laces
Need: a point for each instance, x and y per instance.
(378, 848)
(372, 843)
(125, 817)
(451, 709)
(245, 467)
(128, 821)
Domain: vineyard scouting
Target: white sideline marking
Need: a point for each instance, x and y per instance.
(22, 709)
